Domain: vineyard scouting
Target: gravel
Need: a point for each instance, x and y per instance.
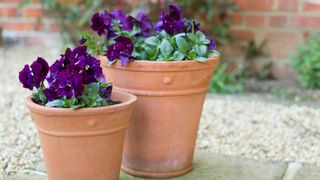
(243, 127)
(259, 129)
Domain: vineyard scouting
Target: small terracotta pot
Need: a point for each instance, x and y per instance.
(163, 127)
(86, 143)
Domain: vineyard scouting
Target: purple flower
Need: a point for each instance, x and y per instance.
(212, 45)
(175, 12)
(122, 50)
(188, 25)
(105, 92)
(69, 85)
(50, 93)
(145, 24)
(92, 70)
(101, 22)
(172, 22)
(126, 22)
(26, 78)
(40, 69)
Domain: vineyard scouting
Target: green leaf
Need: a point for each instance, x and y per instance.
(200, 36)
(151, 53)
(192, 55)
(178, 56)
(165, 48)
(153, 41)
(55, 103)
(78, 106)
(202, 50)
(69, 102)
(205, 41)
(93, 90)
(192, 37)
(179, 35)
(182, 44)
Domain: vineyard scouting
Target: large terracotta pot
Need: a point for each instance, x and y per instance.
(86, 143)
(162, 130)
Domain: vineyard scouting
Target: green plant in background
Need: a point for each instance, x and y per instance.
(307, 62)
(225, 81)
(254, 50)
(216, 12)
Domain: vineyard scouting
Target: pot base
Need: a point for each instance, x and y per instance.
(158, 175)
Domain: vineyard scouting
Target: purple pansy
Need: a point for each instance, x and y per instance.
(50, 93)
(212, 45)
(125, 21)
(40, 69)
(26, 78)
(67, 78)
(92, 70)
(101, 22)
(172, 22)
(105, 92)
(175, 12)
(188, 25)
(145, 24)
(69, 85)
(121, 49)
(74, 69)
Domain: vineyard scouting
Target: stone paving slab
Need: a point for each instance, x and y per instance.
(308, 173)
(210, 166)
(207, 166)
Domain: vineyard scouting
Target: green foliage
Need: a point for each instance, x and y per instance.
(183, 46)
(214, 11)
(307, 62)
(224, 81)
(90, 98)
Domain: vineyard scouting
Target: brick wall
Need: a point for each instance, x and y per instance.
(282, 23)
(29, 26)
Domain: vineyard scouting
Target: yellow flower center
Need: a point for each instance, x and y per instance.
(87, 67)
(69, 85)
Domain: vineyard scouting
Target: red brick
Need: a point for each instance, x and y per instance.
(32, 12)
(54, 27)
(255, 20)
(281, 44)
(278, 21)
(306, 22)
(255, 4)
(236, 18)
(11, 11)
(242, 35)
(21, 26)
(311, 6)
(12, 1)
(288, 5)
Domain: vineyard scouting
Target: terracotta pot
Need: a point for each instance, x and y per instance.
(163, 127)
(86, 143)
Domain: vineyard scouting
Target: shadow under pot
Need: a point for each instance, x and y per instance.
(162, 130)
(85, 143)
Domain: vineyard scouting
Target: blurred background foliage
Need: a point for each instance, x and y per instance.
(307, 62)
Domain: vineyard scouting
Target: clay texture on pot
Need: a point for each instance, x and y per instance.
(162, 130)
(86, 143)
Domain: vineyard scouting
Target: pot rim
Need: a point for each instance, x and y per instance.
(129, 99)
(145, 65)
